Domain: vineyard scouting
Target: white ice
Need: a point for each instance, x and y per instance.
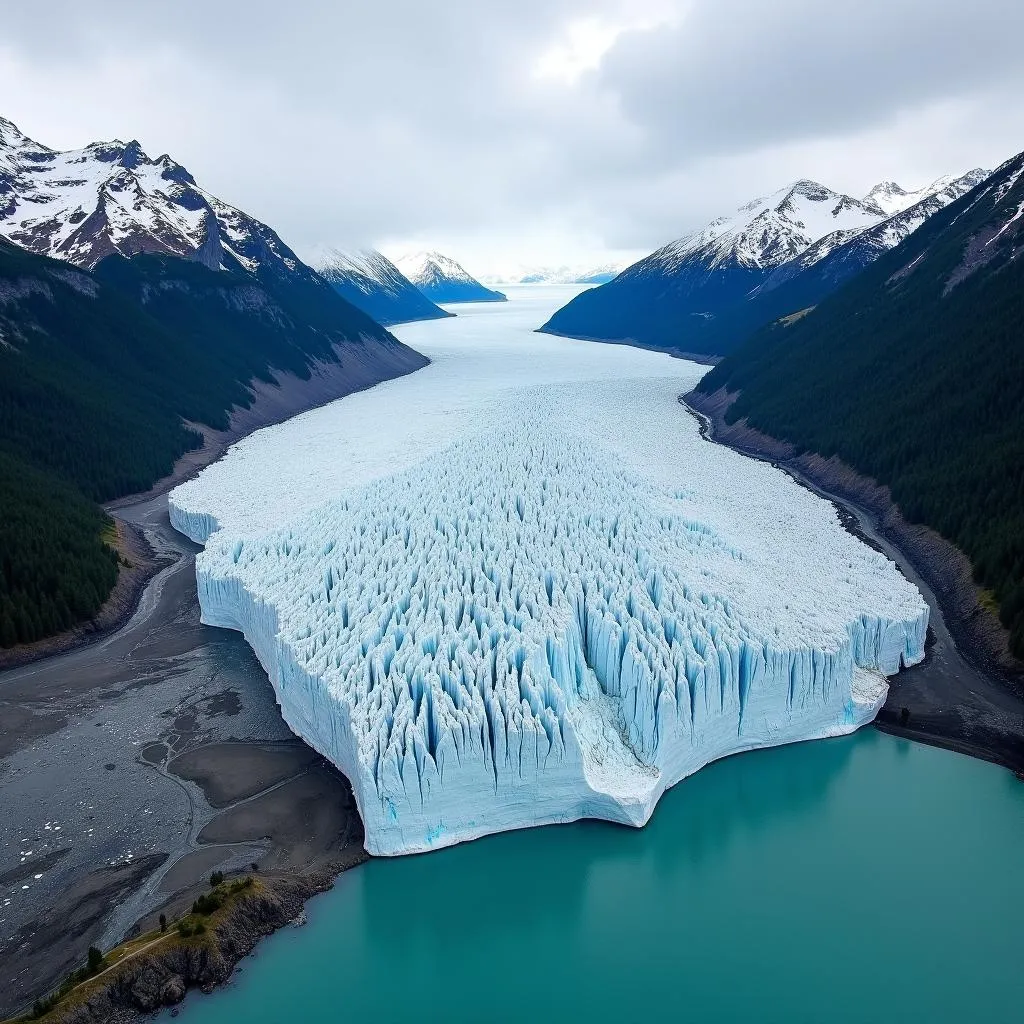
(517, 586)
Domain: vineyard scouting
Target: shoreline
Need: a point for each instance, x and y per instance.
(963, 696)
(240, 820)
(691, 357)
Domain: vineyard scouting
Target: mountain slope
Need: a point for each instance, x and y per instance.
(704, 293)
(913, 373)
(110, 197)
(168, 305)
(370, 281)
(441, 279)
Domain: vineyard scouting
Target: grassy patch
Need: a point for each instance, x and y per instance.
(195, 928)
(793, 317)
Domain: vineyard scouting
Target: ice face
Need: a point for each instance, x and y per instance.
(544, 596)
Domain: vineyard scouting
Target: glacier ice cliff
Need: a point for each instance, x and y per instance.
(555, 609)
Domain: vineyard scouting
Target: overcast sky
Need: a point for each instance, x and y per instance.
(541, 131)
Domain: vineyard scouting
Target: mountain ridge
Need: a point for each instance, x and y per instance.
(134, 305)
(441, 279)
(693, 294)
(371, 282)
(931, 333)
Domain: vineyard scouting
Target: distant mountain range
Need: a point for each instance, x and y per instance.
(164, 308)
(111, 198)
(706, 292)
(369, 280)
(558, 275)
(441, 279)
(912, 372)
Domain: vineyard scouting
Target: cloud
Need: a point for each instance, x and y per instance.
(739, 74)
(528, 131)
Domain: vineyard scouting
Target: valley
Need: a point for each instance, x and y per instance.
(512, 512)
(180, 709)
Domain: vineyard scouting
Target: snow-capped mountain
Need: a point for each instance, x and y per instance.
(890, 198)
(369, 280)
(695, 294)
(441, 279)
(765, 232)
(110, 197)
(840, 255)
(565, 274)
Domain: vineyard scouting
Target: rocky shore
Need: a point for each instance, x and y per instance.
(162, 972)
(182, 766)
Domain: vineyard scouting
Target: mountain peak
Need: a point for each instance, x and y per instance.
(133, 155)
(810, 189)
(369, 280)
(441, 279)
(110, 197)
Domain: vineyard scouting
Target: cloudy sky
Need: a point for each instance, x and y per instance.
(541, 131)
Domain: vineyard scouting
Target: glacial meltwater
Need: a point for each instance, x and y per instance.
(848, 879)
(863, 878)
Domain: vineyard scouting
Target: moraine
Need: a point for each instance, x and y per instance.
(517, 587)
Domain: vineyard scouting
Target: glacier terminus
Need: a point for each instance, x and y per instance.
(517, 587)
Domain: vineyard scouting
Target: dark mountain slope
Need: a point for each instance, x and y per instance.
(371, 282)
(913, 373)
(97, 372)
(706, 293)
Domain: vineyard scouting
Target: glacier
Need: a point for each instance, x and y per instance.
(517, 587)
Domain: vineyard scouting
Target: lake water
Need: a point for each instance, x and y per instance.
(862, 878)
(853, 879)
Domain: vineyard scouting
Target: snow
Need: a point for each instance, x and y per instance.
(771, 230)
(805, 218)
(442, 280)
(1013, 218)
(889, 232)
(517, 587)
(368, 270)
(425, 267)
(565, 274)
(80, 205)
(893, 199)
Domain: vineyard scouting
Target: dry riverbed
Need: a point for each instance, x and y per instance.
(133, 768)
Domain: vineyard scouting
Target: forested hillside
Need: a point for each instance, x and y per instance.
(913, 373)
(97, 372)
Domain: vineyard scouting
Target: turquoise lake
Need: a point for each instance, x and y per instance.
(857, 879)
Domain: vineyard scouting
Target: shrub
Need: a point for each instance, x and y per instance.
(207, 903)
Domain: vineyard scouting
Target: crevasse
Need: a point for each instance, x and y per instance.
(527, 626)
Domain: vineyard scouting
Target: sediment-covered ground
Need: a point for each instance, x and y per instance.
(133, 768)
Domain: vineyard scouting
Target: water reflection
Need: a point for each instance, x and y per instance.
(553, 874)
(862, 878)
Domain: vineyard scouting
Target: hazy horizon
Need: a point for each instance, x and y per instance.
(555, 133)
